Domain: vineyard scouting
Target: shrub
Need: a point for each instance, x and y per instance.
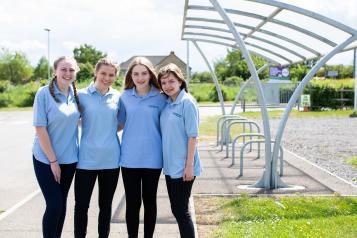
(4, 85)
(24, 95)
(213, 95)
(233, 81)
(5, 100)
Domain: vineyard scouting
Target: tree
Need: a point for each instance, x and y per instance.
(235, 65)
(87, 54)
(86, 72)
(41, 70)
(14, 67)
(298, 71)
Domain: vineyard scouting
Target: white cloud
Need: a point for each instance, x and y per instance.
(27, 45)
(70, 45)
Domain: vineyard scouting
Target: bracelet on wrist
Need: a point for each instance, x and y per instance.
(51, 162)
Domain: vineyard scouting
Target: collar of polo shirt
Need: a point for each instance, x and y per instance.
(153, 92)
(178, 99)
(93, 89)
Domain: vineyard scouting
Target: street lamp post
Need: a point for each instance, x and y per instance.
(48, 53)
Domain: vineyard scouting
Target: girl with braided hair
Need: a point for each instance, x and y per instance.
(55, 148)
(99, 149)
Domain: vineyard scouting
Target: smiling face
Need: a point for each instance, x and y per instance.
(171, 85)
(141, 77)
(66, 72)
(104, 77)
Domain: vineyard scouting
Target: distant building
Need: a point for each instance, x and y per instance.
(158, 62)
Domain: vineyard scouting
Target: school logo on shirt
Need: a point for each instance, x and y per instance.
(176, 114)
(154, 106)
(112, 103)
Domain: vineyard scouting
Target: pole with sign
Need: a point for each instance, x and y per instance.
(305, 102)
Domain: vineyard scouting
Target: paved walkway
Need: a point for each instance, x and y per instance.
(218, 177)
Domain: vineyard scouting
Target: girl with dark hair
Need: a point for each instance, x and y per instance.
(141, 155)
(55, 148)
(179, 128)
(99, 150)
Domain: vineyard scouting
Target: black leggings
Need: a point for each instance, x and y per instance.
(179, 194)
(83, 188)
(55, 195)
(140, 184)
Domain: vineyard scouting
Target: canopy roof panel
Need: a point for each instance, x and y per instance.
(276, 31)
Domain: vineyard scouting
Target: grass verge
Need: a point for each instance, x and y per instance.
(279, 217)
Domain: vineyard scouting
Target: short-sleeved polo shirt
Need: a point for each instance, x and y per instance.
(141, 142)
(179, 121)
(99, 145)
(61, 120)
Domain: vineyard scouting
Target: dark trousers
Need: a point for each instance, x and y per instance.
(140, 184)
(55, 195)
(83, 188)
(179, 194)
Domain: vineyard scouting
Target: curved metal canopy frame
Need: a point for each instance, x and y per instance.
(260, 40)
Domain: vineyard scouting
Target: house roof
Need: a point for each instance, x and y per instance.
(155, 59)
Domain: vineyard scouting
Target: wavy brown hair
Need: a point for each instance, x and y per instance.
(129, 83)
(173, 69)
(54, 79)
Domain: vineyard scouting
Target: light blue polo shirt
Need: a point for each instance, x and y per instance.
(179, 121)
(141, 142)
(99, 146)
(60, 120)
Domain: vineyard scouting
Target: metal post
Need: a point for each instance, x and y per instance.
(298, 92)
(245, 85)
(355, 76)
(48, 54)
(266, 180)
(188, 76)
(215, 80)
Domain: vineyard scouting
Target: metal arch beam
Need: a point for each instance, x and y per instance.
(267, 183)
(209, 35)
(304, 31)
(261, 69)
(232, 46)
(269, 51)
(232, 11)
(298, 92)
(266, 19)
(308, 13)
(279, 46)
(215, 80)
(281, 37)
(276, 12)
(253, 37)
(184, 18)
(207, 28)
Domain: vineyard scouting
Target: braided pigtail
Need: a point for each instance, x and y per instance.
(52, 88)
(76, 97)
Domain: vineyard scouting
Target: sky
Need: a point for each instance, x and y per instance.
(123, 28)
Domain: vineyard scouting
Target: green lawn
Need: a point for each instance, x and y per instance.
(287, 217)
(10, 109)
